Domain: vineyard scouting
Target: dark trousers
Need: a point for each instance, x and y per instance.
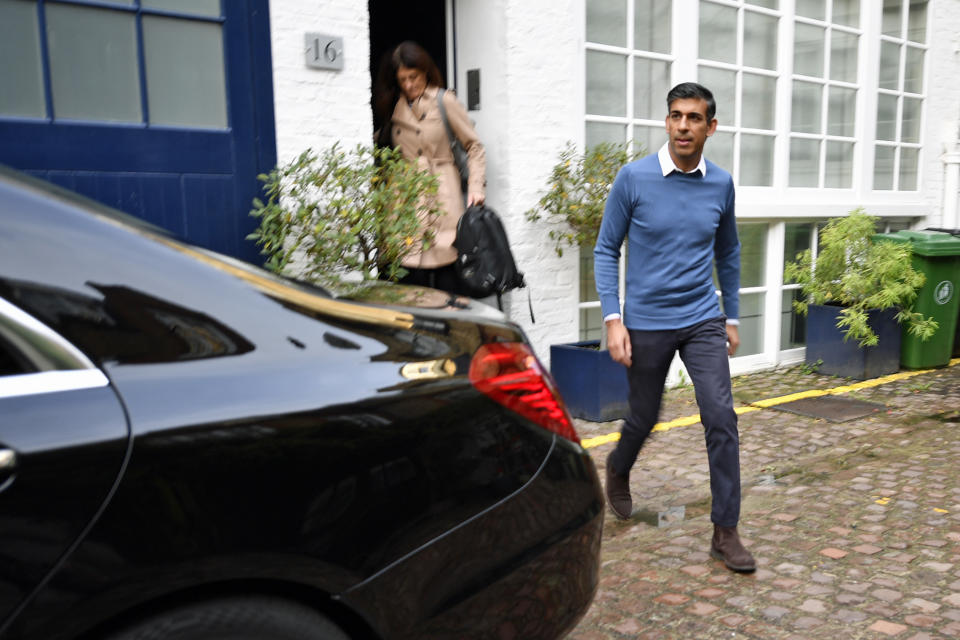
(703, 349)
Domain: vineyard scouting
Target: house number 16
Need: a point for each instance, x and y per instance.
(323, 52)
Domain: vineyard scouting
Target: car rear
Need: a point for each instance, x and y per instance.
(405, 467)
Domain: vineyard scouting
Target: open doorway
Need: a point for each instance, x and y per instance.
(392, 22)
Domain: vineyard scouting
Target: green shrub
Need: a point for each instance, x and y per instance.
(577, 194)
(330, 217)
(858, 274)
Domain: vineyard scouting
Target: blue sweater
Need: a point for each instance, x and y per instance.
(676, 227)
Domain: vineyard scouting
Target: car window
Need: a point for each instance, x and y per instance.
(12, 362)
(35, 359)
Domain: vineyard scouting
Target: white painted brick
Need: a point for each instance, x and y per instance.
(943, 102)
(314, 107)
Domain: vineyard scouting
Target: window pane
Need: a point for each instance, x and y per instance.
(759, 40)
(606, 22)
(804, 162)
(767, 4)
(796, 240)
(649, 139)
(184, 65)
(606, 84)
(886, 117)
(597, 132)
(843, 56)
(590, 323)
(812, 9)
(909, 158)
(847, 12)
(751, 324)
(718, 32)
(892, 18)
(841, 117)
(910, 131)
(651, 82)
(913, 71)
(792, 325)
(723, 85)
(93, 64)
(209, 8)
(883, 168)
(838, 174)
(719, 149)
(588, 287)
(917, 21)
(889, 65)
(753, 252)
(893, 226)
(756, 160)
(22, 82)
(806, 104)
(808, 50)
(652, 25)
(759, 101)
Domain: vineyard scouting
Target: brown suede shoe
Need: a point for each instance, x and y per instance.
(726, 546)
(618, 493)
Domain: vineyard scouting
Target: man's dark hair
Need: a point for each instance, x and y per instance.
(693, 90)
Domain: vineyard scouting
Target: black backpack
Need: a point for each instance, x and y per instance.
(485, 264)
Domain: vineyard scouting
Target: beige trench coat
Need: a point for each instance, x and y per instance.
(418, 131)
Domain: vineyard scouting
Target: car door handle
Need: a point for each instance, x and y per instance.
(8, 461)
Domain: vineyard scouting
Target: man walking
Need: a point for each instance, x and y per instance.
(676, 210)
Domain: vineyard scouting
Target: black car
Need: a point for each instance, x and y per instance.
(192, 447)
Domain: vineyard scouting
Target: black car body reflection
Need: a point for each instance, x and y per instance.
(179, 430)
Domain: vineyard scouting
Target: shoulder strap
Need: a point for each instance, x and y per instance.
(443, 115)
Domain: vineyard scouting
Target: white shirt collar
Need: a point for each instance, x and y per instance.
(667, 165)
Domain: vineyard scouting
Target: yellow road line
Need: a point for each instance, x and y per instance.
(771, 402)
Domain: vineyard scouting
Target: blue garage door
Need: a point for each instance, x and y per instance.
(161, 108)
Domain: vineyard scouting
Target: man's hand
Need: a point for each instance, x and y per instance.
(475, 198)
(733, 339)
(618, 342)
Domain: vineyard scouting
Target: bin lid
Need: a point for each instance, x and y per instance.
(926, 243)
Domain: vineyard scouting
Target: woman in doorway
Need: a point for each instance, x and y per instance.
(406, 102)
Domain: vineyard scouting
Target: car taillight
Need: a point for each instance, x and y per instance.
(509, 373)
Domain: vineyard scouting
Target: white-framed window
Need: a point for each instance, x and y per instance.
(629, 59)
(900, 95)
(753, 285)
(738, 61)
(797, 238)
(824, 92)
(820, 106)
(629, 68)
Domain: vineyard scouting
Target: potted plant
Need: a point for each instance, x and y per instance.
(593, 386)
(857, 294)
(340, 217)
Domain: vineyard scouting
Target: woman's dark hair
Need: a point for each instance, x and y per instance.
(693, 90)
(387, 92)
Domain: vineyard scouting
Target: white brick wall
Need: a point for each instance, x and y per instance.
(530, 58)
(544, 82)
(314, 107)
(943, 104)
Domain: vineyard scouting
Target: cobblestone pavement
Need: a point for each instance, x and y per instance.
(855, 525)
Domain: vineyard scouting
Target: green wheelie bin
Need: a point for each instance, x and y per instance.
(937, 255)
